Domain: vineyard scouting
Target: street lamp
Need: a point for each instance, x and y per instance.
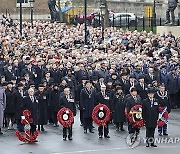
(154, 12)
(103, 10)
(31, 5)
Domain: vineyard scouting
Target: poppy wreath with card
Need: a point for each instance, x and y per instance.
(135, 116)
(101, 114)
(27, 137)
(65, 117)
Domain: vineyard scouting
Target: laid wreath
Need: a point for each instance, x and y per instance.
(135, 116)
(27, 137)
(163, 116)
(101, 114)
(65, 117)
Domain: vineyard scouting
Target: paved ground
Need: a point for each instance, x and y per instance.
(50, 141)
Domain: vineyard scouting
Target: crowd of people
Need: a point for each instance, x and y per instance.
(50, 67)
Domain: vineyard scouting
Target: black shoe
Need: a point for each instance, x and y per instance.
(70, 138)
(1, 133)
(167, 22)
(160, 134)
(147, 145)
(153, 145)
(117, 130)
(100, 136)
(122, 130)
(107, 136)
(64, 138)
(91, 131)
(85, 131)
(165, 134)
(81, 124)
(42, 129)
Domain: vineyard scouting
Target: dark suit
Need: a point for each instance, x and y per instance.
(19, 103)
(70, 104)
(130, 102)
(9, 74)
(142, 91)
(103, 99)
(150, 114)
(32, 106)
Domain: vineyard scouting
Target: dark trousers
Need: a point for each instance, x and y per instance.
(87, 123)
(132, 130)
(106, 130)
(150, 135)
(168, 11)
(178, 98)
(67, 130)
(20, 126)
(50, 114)
(174, 100)
(162, 129)
(33, 129)
(81, 116)
(55, 118)
(119, 125)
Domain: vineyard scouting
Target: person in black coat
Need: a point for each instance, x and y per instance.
(19, 103)
(150, 114)
(31, 104)
(172, 87)
(142, 87)
(41, 96)
(54, 97)
(163, 99)
(67, 101)
(132, 100)
(87, 101)
(119, 104)
(131, 83)
(103, 98)
(10, 105)
(9, 73)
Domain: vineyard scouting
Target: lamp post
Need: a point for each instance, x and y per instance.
(85, 22)
(31, 5)
(154, 12)
(103, 9)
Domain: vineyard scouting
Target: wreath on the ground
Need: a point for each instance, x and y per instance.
(101, 114)
(27, 137)
(163, 116)
(135, 116)
(65, 117)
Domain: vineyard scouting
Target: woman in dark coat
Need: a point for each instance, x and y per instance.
(54, 97)
(87, 101)
(119, 109)
(10, 105)
(42, 104)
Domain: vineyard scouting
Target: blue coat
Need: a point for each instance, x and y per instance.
(172, 83)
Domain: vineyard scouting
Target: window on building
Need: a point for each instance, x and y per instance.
(25, 3)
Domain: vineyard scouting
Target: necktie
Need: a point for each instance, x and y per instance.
(151, 102)
(32, 99)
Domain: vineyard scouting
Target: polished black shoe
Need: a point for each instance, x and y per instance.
(91, 131)
(107, 136)
(153, 145)
(85, 131)
(100, 136)
(42, 129)
(167, 22)
(81, 124)
(122, 130)
(165, 134)
(160, 134)
(147, 145)
(64, 138)
(70, 138)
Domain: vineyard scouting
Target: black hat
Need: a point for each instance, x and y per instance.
(118, 88)
(110, 80)
(4, 83)
(162, 85)
(133, 89)
(132, 76)
(151, 90)
(10, 82)
(141, 76)
(84, 78)
(113, 74)
(20, 85)
(124, 74)
(40, 85)
(31, 83)
(22, 79)
(94, 78)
